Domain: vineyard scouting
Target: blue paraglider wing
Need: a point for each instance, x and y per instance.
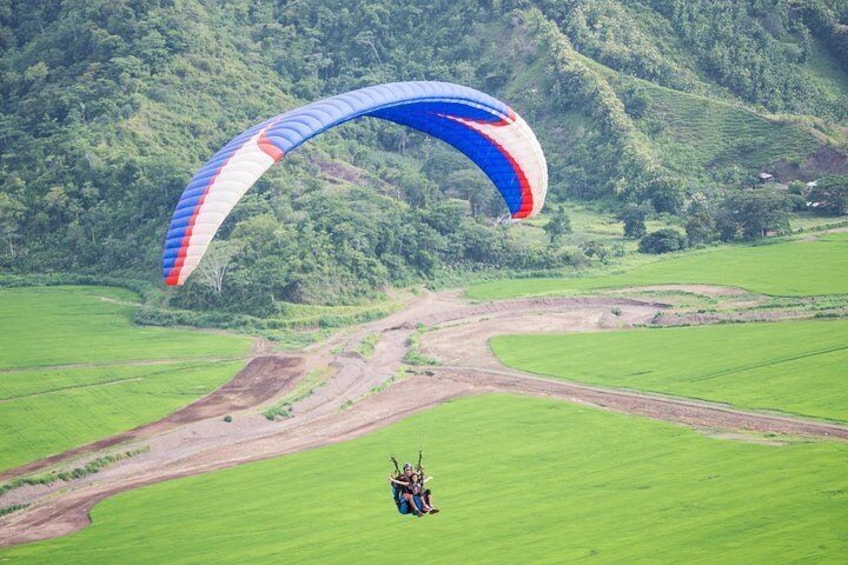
(485, 129)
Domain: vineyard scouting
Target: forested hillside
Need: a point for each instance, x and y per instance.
(107, 107)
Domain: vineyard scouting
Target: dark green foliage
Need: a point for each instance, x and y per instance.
(97, 170)
(752, 48)
(753, 214)
(701, 221)
(558, 226)
(666, 240)
(597, 249)
(613, 159)
(634, 221)
(665, 195)
(828, 19)
(829, 196)
(12, 508)
(797, 187)
(637, 102)
(797, 203)
(701, 227)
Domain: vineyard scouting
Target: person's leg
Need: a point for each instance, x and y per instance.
(399, 501)
(428, 499)
(413, 504)
(422, 506)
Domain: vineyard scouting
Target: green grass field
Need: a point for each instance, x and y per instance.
(796, 367)
(44, 326)
(47, 412)
(73, 369)
(794, 268)
(519, 480)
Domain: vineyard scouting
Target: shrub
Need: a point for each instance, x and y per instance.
(797, 187)
(13, 508)
(797, 202)
(280, 411)
(665, 240)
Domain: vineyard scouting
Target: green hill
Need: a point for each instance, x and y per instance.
(108, 107)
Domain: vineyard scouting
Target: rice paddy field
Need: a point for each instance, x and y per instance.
(74, 369)
(796, 367)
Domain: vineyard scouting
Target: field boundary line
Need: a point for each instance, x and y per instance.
(692, 412)
(128, 363)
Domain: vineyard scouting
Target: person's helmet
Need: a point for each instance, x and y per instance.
(407, 466)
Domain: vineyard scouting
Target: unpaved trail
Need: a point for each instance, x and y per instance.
(358, 398)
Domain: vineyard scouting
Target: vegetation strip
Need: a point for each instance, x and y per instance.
(93, 466)
(413, 355)
(13, 508)
(305, 388)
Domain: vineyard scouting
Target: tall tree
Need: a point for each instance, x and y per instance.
(558, 226)
(11, 213)
(752, 215)
(633, 217)
(829, 196)
(215, 264)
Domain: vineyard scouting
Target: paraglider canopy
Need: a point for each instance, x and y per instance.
(485, 129)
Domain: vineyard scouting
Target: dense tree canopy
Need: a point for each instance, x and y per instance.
(753, 215)
(829, 195)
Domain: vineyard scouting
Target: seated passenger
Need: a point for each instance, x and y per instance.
(409, 493)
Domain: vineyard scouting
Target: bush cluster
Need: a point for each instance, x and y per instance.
(666, 240)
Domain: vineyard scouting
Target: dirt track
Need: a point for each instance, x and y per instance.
(196, 439)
